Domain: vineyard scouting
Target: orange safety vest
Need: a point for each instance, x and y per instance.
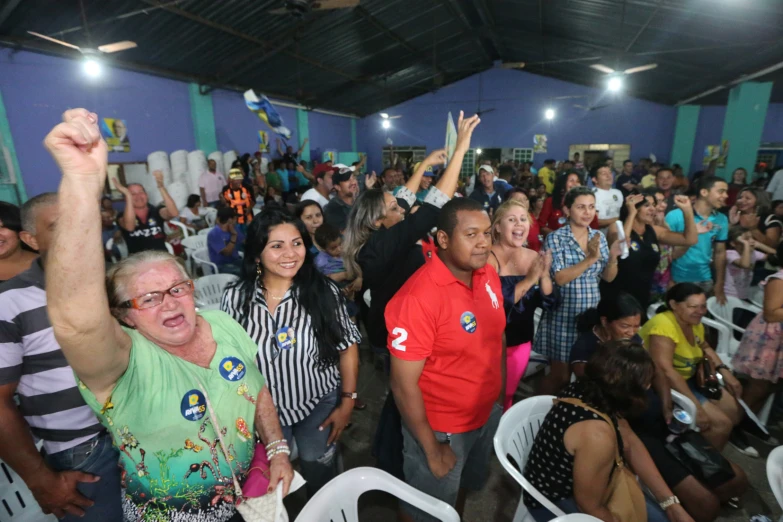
(241, 202)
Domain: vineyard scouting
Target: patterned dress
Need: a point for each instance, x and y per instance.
(557, 332)
(760, 353)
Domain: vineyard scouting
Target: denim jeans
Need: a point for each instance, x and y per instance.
(98, 457)
(568, 505)
(319, 462)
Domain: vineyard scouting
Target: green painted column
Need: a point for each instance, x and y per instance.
(743, 125)
(353, 135)
(203, 120)
(11, 192)
(685, 135)
(303, 132)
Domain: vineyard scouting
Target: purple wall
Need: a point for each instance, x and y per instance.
(708, 132)
(773, 124)
(328, 132)
(237, 128)
(519, 100)
(37, 89)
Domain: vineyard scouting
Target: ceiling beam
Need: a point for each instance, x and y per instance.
(458, 15)
(487, 20)
(643, 27)
(268, 45)
(8, 10)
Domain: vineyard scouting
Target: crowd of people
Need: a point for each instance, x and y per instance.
(150, 409)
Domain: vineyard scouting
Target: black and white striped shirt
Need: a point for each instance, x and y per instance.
(288, 351)
(30, 356)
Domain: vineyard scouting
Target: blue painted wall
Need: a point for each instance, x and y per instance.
(519, 100)
(37, 89)
(328, 132)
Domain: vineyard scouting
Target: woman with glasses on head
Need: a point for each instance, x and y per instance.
(158, 375)
(306, 343)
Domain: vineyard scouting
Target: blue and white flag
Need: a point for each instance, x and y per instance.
(264, 109)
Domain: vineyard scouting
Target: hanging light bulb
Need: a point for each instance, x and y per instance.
(92, 68)
(549, 114)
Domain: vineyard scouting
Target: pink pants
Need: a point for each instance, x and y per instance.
(517, 358)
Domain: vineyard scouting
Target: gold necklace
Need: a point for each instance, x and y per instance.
(269, 294)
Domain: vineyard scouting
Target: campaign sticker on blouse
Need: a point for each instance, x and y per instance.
(232, 369)
(286, 339)
(561, 220)
(193, 405)
(634, 246)
(468, 322)
(655, 246)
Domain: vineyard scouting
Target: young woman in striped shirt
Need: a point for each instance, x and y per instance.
(307, 345)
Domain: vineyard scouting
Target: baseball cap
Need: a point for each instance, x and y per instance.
(488, 168)
(321, 169)
(342, 175)
(342, 166)
(428, 173)
(235, 174)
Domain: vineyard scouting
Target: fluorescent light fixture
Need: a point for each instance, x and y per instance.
(386, 124)
(615, 84)
(384, 116)
(92, 68)
(478, 152)
(549, 114)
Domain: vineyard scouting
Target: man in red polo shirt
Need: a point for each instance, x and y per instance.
(448, 364)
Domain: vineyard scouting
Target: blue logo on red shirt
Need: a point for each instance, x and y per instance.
(232, 369)
(193, 406)
(468, 322)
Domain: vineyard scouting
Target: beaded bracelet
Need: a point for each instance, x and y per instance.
(279, 451)
(275, 442)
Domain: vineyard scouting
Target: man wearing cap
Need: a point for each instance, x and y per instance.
(346, 189)
(323, 185)
(426, 182)
(239, 199)
(487, 192)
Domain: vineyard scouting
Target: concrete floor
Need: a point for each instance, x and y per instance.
(498, 501)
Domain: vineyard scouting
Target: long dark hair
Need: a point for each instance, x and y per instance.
(559, 191)
(613, 307)
(313, 291)
(617, 377)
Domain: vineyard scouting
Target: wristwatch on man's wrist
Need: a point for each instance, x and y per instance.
(348, 395)
(669, 502)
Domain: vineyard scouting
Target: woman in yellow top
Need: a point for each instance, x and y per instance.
(675, 339)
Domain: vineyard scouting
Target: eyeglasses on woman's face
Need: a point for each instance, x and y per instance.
(153, 299)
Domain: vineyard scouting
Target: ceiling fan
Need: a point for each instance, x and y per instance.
(386, 116)
(106, 49)
(591, 107)
(632, 70)
(299, 8)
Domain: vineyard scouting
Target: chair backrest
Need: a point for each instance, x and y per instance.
(727, 345)
(725, 313)
(201, 257)
(338, 500)
(204, 231)
(210, 216)
(687, 405)
(193, 243)
(17, 503)
(775, 473)
(209, 289)
(514, 438)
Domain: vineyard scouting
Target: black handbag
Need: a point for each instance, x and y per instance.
(702, 460)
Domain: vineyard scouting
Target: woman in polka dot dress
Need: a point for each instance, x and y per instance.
(574, 453)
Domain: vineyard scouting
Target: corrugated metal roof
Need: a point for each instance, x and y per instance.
(362, 59)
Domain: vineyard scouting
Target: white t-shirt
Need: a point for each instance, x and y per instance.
(608, 204)
(191, 218)
(775, 187)
(264, 165)
(314, 195)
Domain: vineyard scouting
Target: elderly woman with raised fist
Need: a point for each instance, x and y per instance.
(178, 389)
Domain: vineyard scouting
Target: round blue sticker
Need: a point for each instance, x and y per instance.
(468, 322)
(193, 406)
(634, 246)
(286, 338)
(232, 369)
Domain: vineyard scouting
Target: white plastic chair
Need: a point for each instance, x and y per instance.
(687, 405)
(185, 230)
(121, 247)
(191, 244)
(201, 258)
(725, 313)
(775, 474)
(756, 296)
(210, 216)
(576, 517)
(515, 435)
(727, 344)
(204, 231)
(209, 290)
(17, 503)
(338, 500)
(169, 248)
